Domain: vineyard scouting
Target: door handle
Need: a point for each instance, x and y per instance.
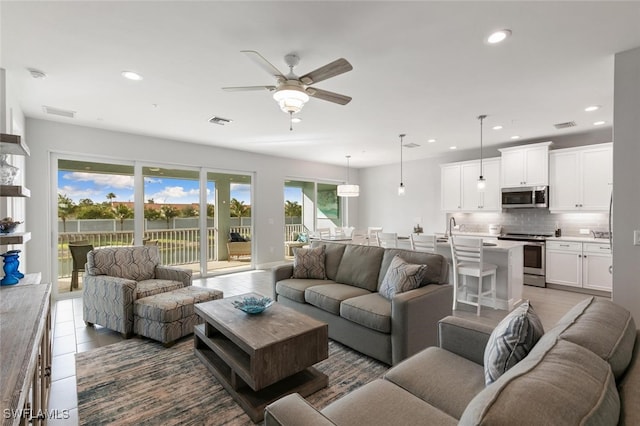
(611, 269)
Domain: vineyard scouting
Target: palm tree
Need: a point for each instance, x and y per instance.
(292, 209)
(66, 208)
(110, 197)
(238, 209)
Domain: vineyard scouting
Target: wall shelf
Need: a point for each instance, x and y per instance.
(14, 191)
(13, 144)
(15, 238)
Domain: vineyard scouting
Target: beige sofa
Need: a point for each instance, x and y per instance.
(584, 371)
(358, 316)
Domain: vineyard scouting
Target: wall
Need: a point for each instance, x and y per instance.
(379, 204)
(626, 181)
(45, 137)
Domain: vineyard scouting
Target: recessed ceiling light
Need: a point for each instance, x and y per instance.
(431, 141)
(515, 137)
(131, 75)
(598, 123)
(453, 147)
(592, 108)
(296, 120)
(497, 127)
(498, 36)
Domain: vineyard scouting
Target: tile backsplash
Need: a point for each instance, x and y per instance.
(533, 221)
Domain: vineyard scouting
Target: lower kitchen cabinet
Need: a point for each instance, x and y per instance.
(577, 264)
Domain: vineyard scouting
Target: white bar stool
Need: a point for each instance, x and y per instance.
(467, 256)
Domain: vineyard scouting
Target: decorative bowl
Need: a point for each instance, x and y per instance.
(7, 225)
(253, 305)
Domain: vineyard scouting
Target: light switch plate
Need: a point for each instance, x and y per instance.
(636, 237)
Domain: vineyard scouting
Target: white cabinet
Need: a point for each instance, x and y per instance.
(526, 165)
(581, 179)
(576, 264)
(459, 186)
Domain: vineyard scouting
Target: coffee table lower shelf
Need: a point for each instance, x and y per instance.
(253, 402)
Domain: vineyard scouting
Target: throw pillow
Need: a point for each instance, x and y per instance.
(400, 277)
(309, 263)
(511, 341)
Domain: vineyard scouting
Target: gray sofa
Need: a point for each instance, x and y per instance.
(584, 371)
(358, 316)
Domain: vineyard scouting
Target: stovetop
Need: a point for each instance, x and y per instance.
(524, 237)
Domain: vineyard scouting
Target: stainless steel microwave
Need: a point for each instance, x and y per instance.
(531, 197)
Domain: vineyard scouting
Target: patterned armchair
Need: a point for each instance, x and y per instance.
(115, 277)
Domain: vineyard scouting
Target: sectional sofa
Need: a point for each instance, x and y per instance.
(345, 295)
(583, 371)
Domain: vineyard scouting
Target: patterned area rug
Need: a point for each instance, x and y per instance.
(139, 382)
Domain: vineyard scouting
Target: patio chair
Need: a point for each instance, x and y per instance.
(79, 250)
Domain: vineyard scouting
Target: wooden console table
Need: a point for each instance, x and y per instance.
(25, 371)
(260, 358)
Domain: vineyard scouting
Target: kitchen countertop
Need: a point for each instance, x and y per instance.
(500, 245)
(580, 239)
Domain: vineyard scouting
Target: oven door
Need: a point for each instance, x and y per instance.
(534, 258)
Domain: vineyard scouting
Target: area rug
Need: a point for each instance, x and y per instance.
(143, 383)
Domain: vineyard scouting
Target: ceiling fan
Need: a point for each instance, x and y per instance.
(292, 92)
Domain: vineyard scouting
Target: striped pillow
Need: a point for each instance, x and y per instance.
(511, 341)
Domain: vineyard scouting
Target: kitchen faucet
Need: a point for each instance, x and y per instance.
(451, 219)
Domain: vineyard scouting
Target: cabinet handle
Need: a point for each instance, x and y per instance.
(579, 255)
(585, 256)
(564, 245)
(611, 269)
(605, 248)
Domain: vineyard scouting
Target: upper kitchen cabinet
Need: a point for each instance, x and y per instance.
(526, 165)
(581, 178)
(459, 186)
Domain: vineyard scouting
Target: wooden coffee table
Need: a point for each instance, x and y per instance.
(260, 358)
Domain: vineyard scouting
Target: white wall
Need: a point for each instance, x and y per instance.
(45, 137)
(626, 181)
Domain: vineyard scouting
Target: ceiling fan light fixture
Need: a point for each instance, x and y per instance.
(291, 100)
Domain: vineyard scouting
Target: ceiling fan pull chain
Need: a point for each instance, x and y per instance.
(290, 121)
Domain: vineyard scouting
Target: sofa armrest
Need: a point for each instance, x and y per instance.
(174, 274)
(108, 301)
(463, 337)
(279, 273)
(414, 318)
(294, 410)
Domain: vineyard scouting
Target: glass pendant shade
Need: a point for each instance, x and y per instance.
(482, 183)
(348, 190)
(401, 189)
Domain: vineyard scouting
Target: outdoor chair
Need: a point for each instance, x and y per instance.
(117, 276)
(79, 250)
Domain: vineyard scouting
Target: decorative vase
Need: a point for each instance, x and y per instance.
(11, 263)
(7, 172)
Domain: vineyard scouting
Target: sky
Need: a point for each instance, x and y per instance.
(96, 186)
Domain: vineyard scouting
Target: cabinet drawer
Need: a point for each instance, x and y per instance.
(565, 246)
(597, 248)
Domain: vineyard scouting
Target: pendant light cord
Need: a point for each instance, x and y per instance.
(401, 136)
(481, 117)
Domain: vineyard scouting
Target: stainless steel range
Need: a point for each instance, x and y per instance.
(534, 256)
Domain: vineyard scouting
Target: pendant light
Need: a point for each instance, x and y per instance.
(347, 190)
(482, 182)
(401, 188)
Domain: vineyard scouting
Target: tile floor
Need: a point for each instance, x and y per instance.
(71, 336)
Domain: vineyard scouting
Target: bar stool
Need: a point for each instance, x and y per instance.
(426, 243)
(467, 256)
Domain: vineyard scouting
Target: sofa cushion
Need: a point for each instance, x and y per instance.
(441, 378)
(629, 389)
(309, 263)
(332, 256)
(371, 310)
(400, 277)
(604, 328)
(360, 266)
(148, 288)
(437, 268)
(133, 263)
(294, 288)
(511, 341)
(329, 296)
(383, 403)
(558, 383)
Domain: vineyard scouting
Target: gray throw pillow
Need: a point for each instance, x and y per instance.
(511, 341)
(400, 277)
(309, 263)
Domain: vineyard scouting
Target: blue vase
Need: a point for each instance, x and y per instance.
(11, 274)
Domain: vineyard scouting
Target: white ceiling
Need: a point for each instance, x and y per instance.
(420, 68)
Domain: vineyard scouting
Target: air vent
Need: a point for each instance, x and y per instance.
(219, 120)
(565, 125)
(411, 145)
(59, 111)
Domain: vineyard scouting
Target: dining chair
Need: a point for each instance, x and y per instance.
(374, 229)
(388, 239)
(359, 236)
(339, 232)
(423, 242)
(79, 250)
(324, 233)
(468, 261)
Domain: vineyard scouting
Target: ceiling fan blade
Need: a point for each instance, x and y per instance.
(248, 88)
(325, 95)
(263, 63)
(337, 67)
